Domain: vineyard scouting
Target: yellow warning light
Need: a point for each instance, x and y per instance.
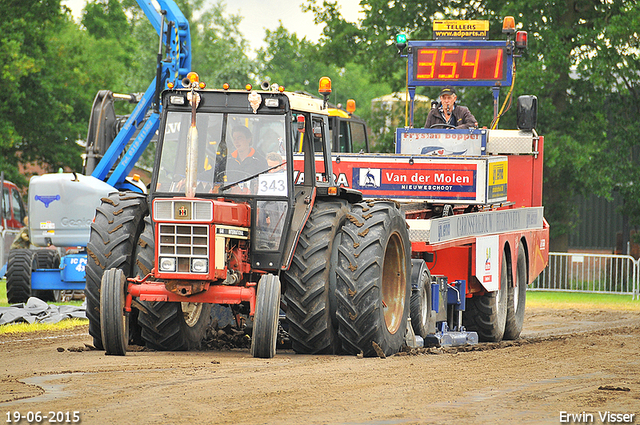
(325, 85)
(351, 106)
(508, 25)
(202, 85)
(248, 87)
(170, 85)
(136, 177)
(225, 86)
(193, 77)
(281, 89)
(332, 190)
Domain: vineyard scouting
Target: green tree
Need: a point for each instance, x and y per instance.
(39, 103)
(291, 62)
(219, 48)
(298, 64)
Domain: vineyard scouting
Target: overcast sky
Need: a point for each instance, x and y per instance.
(260, 14)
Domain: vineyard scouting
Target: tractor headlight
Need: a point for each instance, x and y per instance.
(167, 264)
(199, 265)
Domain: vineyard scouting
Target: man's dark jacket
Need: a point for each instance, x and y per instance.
(461, 114)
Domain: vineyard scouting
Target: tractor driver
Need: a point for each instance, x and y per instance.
(448, 114)
(244, 161)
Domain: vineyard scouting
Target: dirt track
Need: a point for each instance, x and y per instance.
(567, 361)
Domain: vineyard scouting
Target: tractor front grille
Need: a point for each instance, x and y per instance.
(184, 242)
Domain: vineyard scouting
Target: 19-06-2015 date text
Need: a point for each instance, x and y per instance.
(51, 417)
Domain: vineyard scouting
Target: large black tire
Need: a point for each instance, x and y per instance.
(173, 326)
(311, 280)
(167, 326)
(114, 322)
(487, 314)
(265, 321)
(420, 297)
(47, 259)
(19, 267)
(114, 233)
(373, 286)
(517, 296)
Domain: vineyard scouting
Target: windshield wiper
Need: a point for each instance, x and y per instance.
(229, 186)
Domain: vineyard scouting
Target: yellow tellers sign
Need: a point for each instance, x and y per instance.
(497, 180)
(470, 30)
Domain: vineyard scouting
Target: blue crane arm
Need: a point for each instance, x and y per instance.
(177, 37)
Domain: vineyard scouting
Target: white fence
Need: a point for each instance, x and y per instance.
(607, 274)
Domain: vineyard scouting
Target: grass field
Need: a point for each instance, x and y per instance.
(34, 327)
(579, 300)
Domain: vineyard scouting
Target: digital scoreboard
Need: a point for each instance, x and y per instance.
(459, 63)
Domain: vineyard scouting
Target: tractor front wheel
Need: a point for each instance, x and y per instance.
(114, 323)
(265, 321)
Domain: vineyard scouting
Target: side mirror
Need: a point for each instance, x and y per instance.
(527, 113)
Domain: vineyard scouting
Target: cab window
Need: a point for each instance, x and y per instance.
(359, 137)
(18, 208)
(6, 206)
(345, 137)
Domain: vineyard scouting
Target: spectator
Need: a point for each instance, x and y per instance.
(448, 114)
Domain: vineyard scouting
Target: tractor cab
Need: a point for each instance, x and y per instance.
(230, 150)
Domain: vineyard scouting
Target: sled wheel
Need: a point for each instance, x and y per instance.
(114, 322)
(487, 314)
(517, 297)
(420, 297)
(265, 321)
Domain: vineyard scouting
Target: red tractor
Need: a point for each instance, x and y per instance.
(226, 222)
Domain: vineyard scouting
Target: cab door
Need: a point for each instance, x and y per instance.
(13, 209)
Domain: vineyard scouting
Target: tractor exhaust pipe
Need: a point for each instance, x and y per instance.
(191, 171)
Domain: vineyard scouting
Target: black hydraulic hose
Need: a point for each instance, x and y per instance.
(156, 96)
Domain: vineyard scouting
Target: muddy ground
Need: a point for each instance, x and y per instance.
(577, 362)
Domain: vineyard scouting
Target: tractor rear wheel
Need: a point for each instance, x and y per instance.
(517, 297)
(373, 285)
(47, 259)
(19, 267)
(114, 232)
(487, 314)
(114, 323)
(420, 297)
(311, 280)
(174, 326)
(265, 321)
(167, 326)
